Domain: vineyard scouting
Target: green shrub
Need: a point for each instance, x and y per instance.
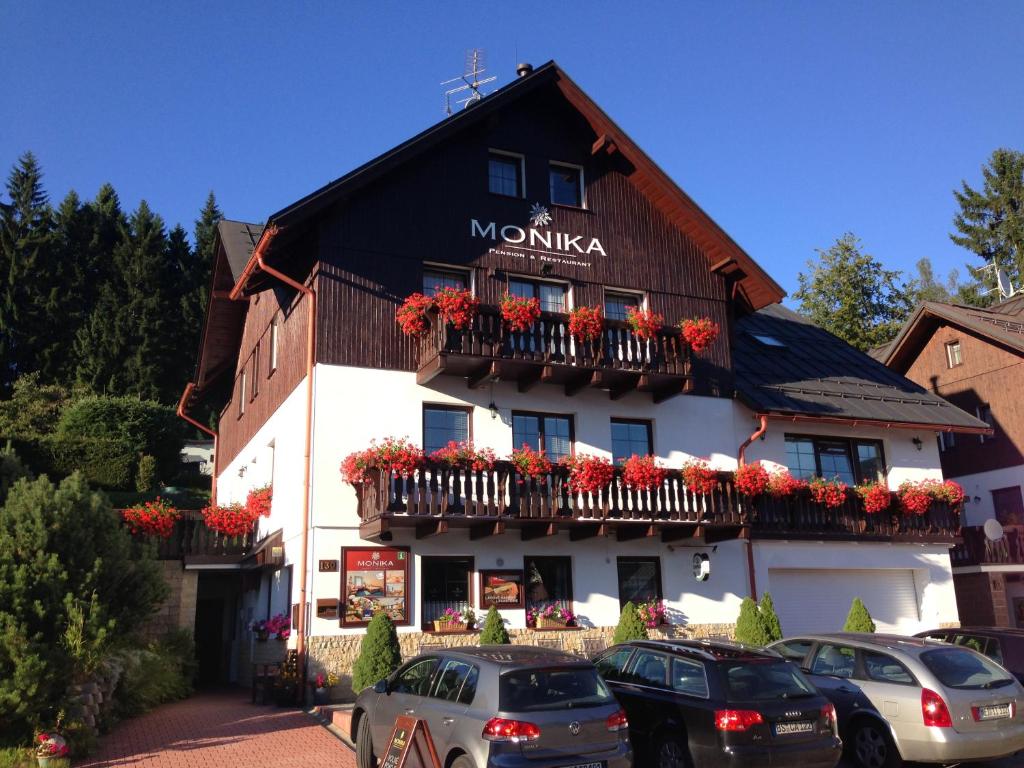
(11, 469)
(858, 619)
(630, 627)
(770, 619)
(494, 632)
(32, 409)
(80, 738)
(104, 462)
(17, 757)
(145, 475)
(379, 653)
(750, 626)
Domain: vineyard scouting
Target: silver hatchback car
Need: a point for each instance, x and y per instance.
(904, 698)
(500, 706)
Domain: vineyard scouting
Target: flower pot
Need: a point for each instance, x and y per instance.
(450, 626)
(549, 622)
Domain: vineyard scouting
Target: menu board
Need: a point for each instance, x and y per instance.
(502, 589)
(410, 746)
(375, 580)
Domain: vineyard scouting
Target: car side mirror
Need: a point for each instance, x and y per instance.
(381, 686)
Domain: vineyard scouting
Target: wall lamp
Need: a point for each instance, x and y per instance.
(493, 409)
(917, 443)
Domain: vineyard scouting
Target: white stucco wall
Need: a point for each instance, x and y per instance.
(979, 487)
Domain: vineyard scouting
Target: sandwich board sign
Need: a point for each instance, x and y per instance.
(410, 745)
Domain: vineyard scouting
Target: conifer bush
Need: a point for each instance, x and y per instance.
(494, 632)
(858, 619)
(630, 626)
(770, 619)
(379, 653)
(750, 626)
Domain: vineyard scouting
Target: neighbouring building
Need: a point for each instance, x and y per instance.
(974, 358)
(534, 191)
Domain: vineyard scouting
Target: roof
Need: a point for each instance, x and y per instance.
(816, 375)
(723, 254)
(1001, 324)
(239, 238)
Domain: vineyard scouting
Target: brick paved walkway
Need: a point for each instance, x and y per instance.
(220, 730)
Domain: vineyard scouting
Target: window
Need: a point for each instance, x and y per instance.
(436, 279)
(611, 665)
(947, 441)
(953, 355)
(962, 669)
(630, 436)
(550, 295)
(639, 580)
(772, 681)
(688, 678)
(241, 392)
(984, 412)
(794, 650)
(415, 678)
(885, 669)
(446, 584)
(566, 184)
(255, 371)
(273, 346)
(649, 668)
(541, 431)
(561, 688)
(443, 424)
(451, 680)
(1008, 505)
(836, 660)
(766, 340)
(548, 580)
(616, 305)
(505, 174)
(852, 461)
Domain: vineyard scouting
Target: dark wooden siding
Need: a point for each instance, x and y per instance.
(372, 247)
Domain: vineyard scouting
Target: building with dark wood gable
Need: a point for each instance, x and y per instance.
(537, 193)
(974, 358)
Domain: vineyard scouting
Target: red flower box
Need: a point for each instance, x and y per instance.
(588, 474)
(457, 306)
(230, 520)
(877, 497)
(783, 485)
(831, 493)
(413, 317)
(465, 456)
(752, 479)
(699, 332)
(586, 324)
(700, 477)
(915, 498)
(530, 463)
(258, 501)
(642, 473)
(152, 518)
(518, 313)
(644, 323)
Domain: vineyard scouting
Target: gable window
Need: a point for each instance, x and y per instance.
(273, 346)
(566, 184)
(630, 436)
(852, 461)
(447, 583)
(550, 295)
(548, 580)
(435, 279)
(616, 305)
(505, 174)
(443, 424)
(551, 433)
(953, 355)
(639, 580)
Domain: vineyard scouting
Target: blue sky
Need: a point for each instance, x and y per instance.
(789, 123)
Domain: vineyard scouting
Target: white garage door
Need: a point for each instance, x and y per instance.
(810, 600)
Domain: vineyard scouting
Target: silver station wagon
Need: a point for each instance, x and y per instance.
(904, 698)
(500, 706)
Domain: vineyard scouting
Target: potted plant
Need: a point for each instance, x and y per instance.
(586, 324)
(456, 306)
(530, 463)
(588, 474)
(642, 473)
(831, 493)
(259, 628)
(643, 322)
(152, 518)
(257, 502)
(876, 496)
(454, 621)
(280, 626)
(651, 613)
(700, 477)
(752, 479)
(464, 456)
(412, 316)
(699, 332)
(915, 498)
(519, 313)
(551, 616)
(51, 749)
(322, 687)
(229, 520)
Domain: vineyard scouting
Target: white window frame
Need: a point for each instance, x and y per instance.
(950, 345)
(583, 184)
(242, 393)
(522, 172)
(469, 272)
(274, 334)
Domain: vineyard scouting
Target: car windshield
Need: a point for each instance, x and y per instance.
(763, 680)
(529, 690)
(960, 668)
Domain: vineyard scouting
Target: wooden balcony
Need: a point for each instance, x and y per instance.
(978, 549)
(194, 543)
(437, 499)
(618, 363)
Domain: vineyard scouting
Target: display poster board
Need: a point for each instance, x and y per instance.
(372, 580)
(410, 746)
(502, 589)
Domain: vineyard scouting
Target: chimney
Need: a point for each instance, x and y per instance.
(524, 69)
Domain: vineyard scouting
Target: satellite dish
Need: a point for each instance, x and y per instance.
(1005, 286)
(993, 529)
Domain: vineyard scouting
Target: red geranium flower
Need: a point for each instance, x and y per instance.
(699, 476)
(229, 520)
(518, 313)
(782, 484)
(644, 323)
(586, 323)
(258, 501)
(877, 497)
(752, 479)
(530, 463)
(152, 518)
(642, 473)
(464, 455)
(457, 306)
(915, 498)
(831, 493)
(699, 332)
(588, 474)
(412, 315)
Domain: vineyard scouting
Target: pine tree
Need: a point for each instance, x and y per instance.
(750, 626)
(990, 221)
(770, 619)
(851, 295)
(494, 632)
(379, 653)
(858, 619)
(630, 627)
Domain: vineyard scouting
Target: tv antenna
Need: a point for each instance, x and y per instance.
(470, 81)
(1003, 284)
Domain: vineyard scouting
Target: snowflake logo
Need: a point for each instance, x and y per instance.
(539, 215)
(375, 556)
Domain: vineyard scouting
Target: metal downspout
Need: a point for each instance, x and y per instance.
(741, 460)
(212, 433)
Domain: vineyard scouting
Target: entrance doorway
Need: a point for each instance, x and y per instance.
(216, 629)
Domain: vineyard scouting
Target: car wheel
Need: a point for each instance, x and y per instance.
(463, 761)
(364, 744)
(671, 752)
(872, 747)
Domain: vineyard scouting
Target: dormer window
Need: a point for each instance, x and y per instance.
(505, 174)
(566, 184)
(953, 355)
(768, 341)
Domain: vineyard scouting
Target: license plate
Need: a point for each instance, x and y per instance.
(585, 765)
(994, 712)
(803, 726)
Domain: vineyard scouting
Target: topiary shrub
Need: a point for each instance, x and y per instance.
(770, 619)
(630, 627)
(858, 619)
(750, 626)
(145, 475)
(494, 632)
(379, 653)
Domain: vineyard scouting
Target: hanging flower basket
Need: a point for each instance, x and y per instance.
(464, 456)
(699, 332)
(644, 323)
(413, 315)
(642, 473)
(230, 520)
(700, 477)
(354, 466)
(877, 497)
(258, 501)
(915, 498)
(457, 306)
(950, 492)
(588, 474)
(831, 493)
(519, 314)
(752, 479)
(586, 324)
(782, 485)
(151, 518)
(530, 463)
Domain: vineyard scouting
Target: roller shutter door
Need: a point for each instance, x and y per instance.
(810, 600)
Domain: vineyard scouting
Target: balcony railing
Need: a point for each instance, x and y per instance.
(978, 549)
(618, 362)
(192, 539)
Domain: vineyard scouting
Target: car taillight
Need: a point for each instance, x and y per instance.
(934, 710)
(500, 729)
(828, 712)
(737, 719)
(617, 721)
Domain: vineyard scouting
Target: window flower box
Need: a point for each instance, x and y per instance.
(551, 622)
(450, 626)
